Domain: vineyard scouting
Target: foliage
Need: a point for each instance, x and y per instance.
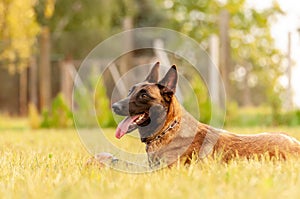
(102, 106)
(197, 18)
(290, 118)
(255, 86)
(18, 31)
(44, 11)
(90, 103)
(101, 102)
(204, 104)
(148, 14)
(260, 116)
(89, 22)
(51, 164)
(60, 115)
(84, 109)
(86, 22)
(257, 65)
(252, 47)
(248, 116)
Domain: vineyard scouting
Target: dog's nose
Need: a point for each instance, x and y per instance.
(121, 107)
(116, 107)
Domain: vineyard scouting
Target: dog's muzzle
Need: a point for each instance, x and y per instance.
(121, 107)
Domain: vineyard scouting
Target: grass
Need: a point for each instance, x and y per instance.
(51, 164)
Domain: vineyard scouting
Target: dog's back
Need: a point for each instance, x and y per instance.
(273, 145)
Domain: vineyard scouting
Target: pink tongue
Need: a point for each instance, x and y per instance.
(124, 125)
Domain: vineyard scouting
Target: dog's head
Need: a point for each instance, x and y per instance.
(147, 103)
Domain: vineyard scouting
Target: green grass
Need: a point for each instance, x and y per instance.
(51, 164)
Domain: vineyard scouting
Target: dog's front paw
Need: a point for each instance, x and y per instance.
(101, 160)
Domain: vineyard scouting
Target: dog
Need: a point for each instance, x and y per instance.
(171, 134)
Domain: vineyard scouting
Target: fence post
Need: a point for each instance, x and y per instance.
(225, 55)
(213, 70)
(66, 80)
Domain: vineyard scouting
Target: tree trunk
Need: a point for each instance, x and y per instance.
(33, 82)
(23, 93)
(44, 69)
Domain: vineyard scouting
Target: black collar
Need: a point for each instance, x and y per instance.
(159, 136)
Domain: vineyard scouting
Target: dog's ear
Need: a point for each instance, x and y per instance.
(169, 82)
(153, 74)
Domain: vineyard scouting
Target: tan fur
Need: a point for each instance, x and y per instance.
(192, 137)
(265, 144)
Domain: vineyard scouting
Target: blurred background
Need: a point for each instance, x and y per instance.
(255, 45)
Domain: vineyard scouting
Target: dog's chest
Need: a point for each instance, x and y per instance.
(170, 148)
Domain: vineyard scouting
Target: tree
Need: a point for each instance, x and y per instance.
(256, 63)
(63, 22)
(44, 10)
(18, 30)
(88, 23)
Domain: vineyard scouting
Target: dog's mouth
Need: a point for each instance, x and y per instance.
(130, 123)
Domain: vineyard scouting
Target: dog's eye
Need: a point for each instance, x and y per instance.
(144, 95)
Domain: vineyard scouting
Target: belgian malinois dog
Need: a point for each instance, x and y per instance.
(171, 133)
